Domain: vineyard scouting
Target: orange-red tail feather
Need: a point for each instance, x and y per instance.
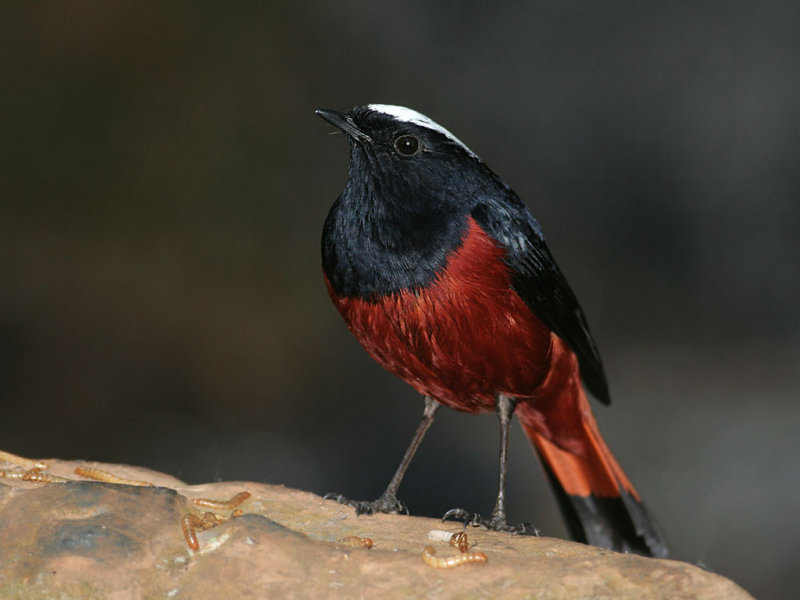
(597, 499)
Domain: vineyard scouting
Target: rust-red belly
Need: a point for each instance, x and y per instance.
(463, 339)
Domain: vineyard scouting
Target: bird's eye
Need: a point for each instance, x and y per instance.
(407, 145)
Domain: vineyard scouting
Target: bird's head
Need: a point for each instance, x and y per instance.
(405, 158)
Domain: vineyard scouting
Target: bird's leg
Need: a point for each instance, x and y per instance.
(505, 406)
(431, 408)
(388, 502)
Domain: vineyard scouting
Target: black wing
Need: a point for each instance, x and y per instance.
(538, 280)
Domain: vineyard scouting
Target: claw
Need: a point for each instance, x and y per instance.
(385, 504)
(525, 528)
(493, 523)
(460, 514)
(337, 497)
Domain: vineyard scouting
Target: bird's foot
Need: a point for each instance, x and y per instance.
(387, 503)
(497, 522)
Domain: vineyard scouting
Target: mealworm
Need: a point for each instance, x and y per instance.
(34, 475)
(222, 504)
(188, 524)
(191, 523)
(106, 477)
(355, 542)
(429, 558)
(459, 540)
(39, 477)
(237, 513)
(440, 535)
(21, 461)
(209, 520)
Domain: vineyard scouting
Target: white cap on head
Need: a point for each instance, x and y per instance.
(407, 115)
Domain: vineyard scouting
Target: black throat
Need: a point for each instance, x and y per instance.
(376, 243)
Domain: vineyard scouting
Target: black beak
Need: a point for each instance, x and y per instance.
(345, 123)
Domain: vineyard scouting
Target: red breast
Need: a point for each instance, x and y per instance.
(464, 338)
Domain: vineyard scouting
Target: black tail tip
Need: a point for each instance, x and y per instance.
(621, 524)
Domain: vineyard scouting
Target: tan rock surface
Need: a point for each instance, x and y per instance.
(86, 539)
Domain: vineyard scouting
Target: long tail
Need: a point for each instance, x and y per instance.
(597, 500)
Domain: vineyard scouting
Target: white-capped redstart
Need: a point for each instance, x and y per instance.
(444, 277)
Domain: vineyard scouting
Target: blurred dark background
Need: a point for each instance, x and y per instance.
(164, 181)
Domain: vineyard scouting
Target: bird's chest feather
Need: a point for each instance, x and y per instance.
(461, 339)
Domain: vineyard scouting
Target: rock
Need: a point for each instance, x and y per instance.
(88, 539)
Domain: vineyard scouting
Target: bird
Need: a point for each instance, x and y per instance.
(444, 276)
